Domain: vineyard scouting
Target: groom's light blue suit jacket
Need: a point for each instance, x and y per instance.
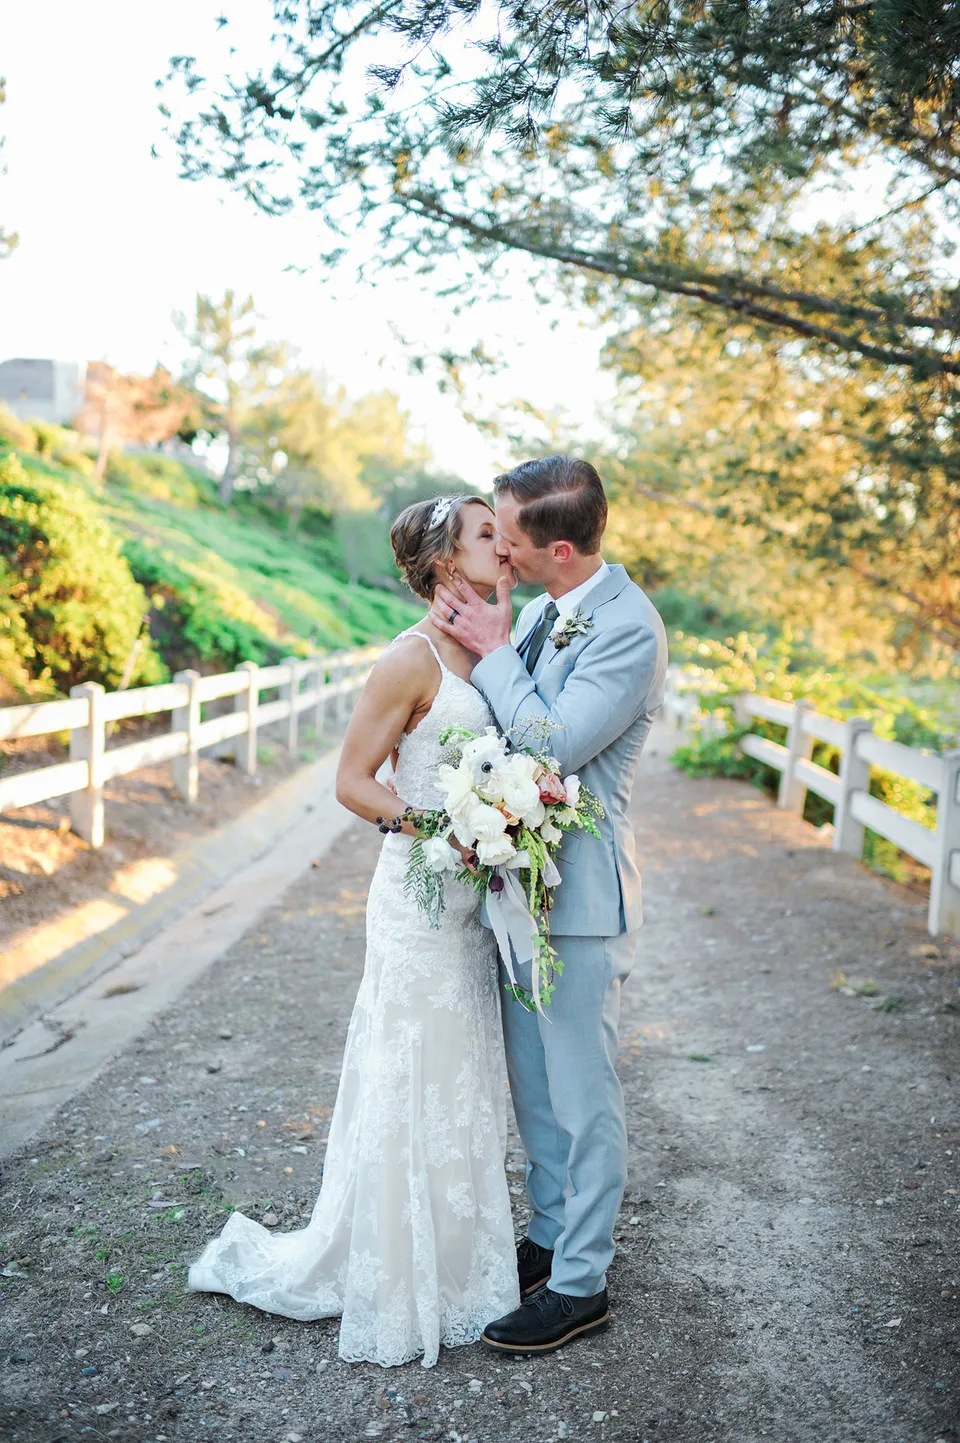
(601, 693)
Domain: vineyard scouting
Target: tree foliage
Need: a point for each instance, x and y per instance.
(594, 134)
(233, 371)
(671, 164)
(121, 408)
(804, 482)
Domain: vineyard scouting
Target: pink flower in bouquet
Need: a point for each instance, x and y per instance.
(552, 789)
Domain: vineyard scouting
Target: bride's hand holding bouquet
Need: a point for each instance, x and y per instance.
(508, 808)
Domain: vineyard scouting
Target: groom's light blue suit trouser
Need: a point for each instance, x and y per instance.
(569, 1107)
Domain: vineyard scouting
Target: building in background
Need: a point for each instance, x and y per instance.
(43, 389)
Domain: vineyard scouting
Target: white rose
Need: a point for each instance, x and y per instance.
(456, 785)
(521, 796)
(476, 822)
(492, 854)
(489, 787)
(439, 855)
(522, 764)
(534, 816)
(550, 833)
(572, 787)
(487, 823)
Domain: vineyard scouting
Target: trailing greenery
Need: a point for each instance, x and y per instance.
(719, 670)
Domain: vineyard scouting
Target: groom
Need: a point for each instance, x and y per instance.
(590, 658)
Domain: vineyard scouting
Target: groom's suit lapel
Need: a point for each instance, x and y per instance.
(606, 590)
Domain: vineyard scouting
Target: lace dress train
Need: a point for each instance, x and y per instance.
(411, 1239)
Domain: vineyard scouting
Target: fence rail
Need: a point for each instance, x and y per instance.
(849, 790)
(326, 685)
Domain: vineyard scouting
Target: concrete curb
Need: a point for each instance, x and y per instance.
(201, 867)
(279, 844)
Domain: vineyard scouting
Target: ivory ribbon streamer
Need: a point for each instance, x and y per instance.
(514, 925)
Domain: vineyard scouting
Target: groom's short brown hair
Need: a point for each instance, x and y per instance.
(560, 499)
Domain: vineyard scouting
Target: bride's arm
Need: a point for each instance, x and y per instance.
(403, 682)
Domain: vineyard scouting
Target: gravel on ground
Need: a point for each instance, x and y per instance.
(788, 1265)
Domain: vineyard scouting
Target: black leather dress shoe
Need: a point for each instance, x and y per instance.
(547, 1322)
(533, 1266)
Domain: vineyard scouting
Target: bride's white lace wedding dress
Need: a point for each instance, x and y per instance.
(411, 1238)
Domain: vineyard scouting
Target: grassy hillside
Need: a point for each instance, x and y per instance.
(218, 586)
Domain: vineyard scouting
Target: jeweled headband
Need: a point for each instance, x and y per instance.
(441, 511)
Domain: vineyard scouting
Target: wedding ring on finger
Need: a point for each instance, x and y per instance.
(452, 617)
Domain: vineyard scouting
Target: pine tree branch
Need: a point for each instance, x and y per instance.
(930, 362)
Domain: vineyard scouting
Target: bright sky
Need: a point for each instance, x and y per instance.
(112, 242)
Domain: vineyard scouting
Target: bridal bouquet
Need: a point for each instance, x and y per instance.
(511, 805)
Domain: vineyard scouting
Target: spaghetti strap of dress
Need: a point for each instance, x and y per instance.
(410, 632)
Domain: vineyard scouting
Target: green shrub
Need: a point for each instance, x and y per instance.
(73, 609)
(16, 433)
(56, 443)
(188, 623)
(161, 478)
(720, 756)
(719, 670)
(680, 611)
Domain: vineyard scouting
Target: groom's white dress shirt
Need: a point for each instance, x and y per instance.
(567, 603)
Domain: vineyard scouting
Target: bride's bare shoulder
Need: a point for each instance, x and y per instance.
(407, 660)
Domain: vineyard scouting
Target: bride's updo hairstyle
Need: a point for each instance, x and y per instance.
(427, 533)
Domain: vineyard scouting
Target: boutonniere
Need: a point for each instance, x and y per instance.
(575, 625)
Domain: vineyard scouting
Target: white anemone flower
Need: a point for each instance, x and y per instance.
(490, 747)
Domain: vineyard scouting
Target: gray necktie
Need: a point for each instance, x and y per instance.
(542, 631)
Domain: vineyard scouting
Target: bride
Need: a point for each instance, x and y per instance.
(411, 1239)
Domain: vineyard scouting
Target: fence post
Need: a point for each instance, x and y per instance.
(87, 744)
(186, 768)
(854, 777)
(319, 719)
(289, 692)
(343, 668)
(791, 792)
(944, 914)
(245, 752)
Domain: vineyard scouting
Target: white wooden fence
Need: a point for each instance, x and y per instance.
(854, 807)
(309, 685)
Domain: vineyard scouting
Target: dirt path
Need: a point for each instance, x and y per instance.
(788, 1267)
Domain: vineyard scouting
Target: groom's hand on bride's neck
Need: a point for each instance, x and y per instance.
(477, 625)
